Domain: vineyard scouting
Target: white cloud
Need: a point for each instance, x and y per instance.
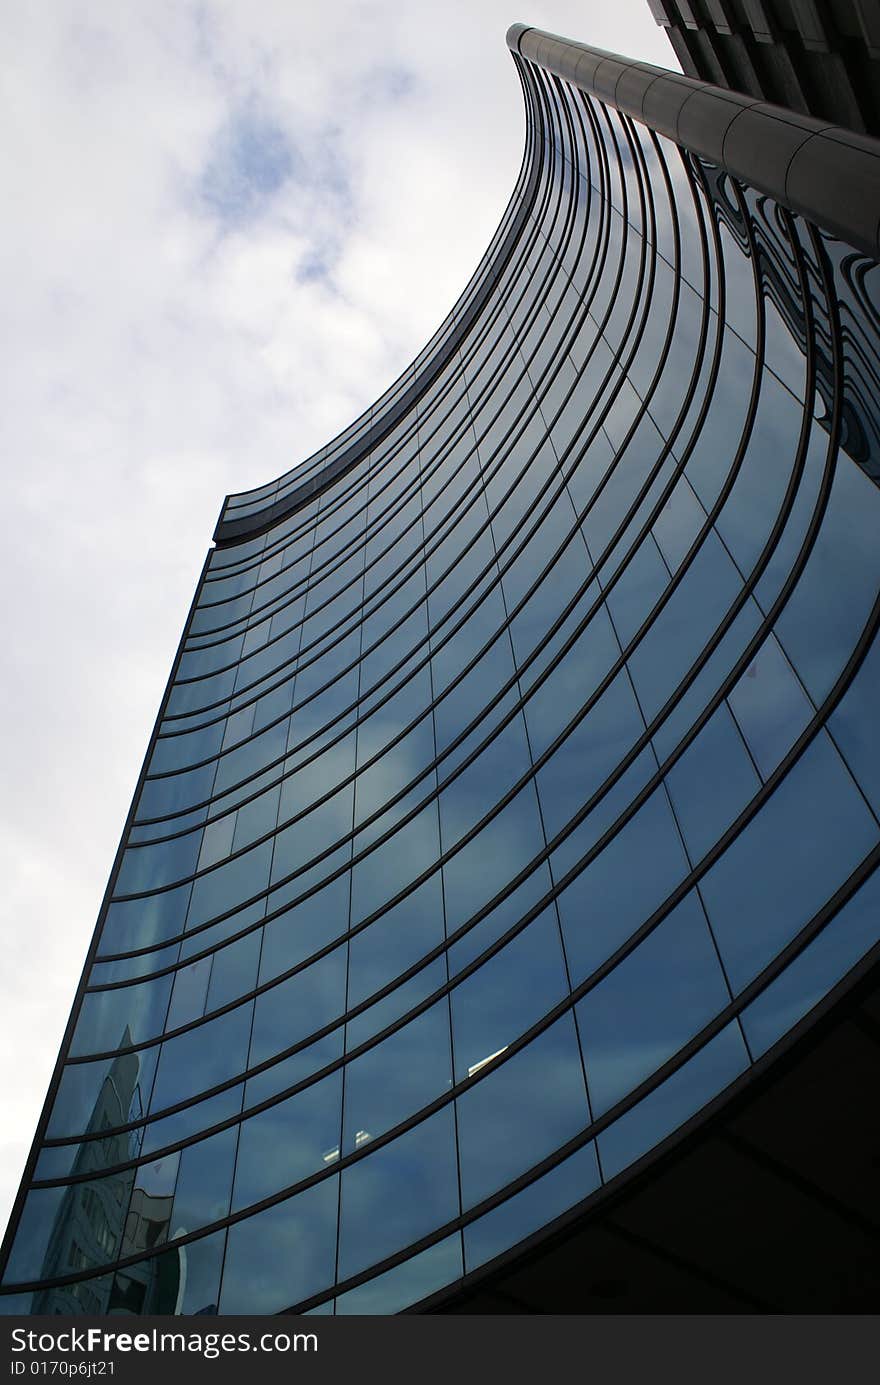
(226, 229)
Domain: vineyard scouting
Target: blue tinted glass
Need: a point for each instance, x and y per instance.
(527, 1211)
(204, 1182)
(192, 1119)
(289, 1012)
(683, 1094)
(399, 1193)
(508, 993)
(394, 1079)
(394, 941)
(69, 1229)
(142, 922)
(114, 1019)
(855, 726)
(35, 1229)
(293, 936)
(110, 1092)
(202, 1057)
(806, 979)
(234, 970)
(589, 754)
(288, 1141)
(280, 1256)
(770, 706)
(149, 1211)
(428, 981)
(653, 1001)
(189, 993)
(825, 615)
(609, 899)
(711, 783)
(230, 884)
(488, 862)
(496, 1141)
(812, 831)
(406, 1284)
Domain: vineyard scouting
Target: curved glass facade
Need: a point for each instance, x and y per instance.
(517, 784)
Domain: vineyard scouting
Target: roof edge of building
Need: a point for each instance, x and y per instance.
(823, 172)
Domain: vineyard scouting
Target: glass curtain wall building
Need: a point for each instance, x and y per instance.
(513, 803)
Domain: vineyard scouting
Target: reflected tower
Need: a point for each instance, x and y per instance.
(497, 921)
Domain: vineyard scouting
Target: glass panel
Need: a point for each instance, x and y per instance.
(397, 1077)
(415, 1279)
(288, 1141)
(92, 1096)
(770, 706)
(399, 1193)
(621, 887)
(522, 1112)
(533, 1208)
(149, 1211)
(118, 1018)
(650, 1004)
(806, 979)
(674, 1101)
(204, 1182)
(711, 783)
(68, 1229)
(278, 1257)
(508, 993)
(810, 834)
(202, 1057)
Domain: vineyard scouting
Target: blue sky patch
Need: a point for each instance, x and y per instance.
(252, 158)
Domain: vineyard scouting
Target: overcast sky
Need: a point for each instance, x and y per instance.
(227, 226)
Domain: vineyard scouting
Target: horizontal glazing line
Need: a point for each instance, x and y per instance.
(745, 659)
(542, 157)
(342, 494)
(417, 605)
(565, 1151)
(188, 728)
(594, 1127)
(309, 809)
(233, 789)
(573, 531)
(796, 945)
(481, 326)
(226, 791)
(302, 965)
(545, 572)
(53, 1085)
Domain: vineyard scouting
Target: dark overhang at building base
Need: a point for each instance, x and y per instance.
(769, 1205)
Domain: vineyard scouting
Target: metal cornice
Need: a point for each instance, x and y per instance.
(827, 174)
